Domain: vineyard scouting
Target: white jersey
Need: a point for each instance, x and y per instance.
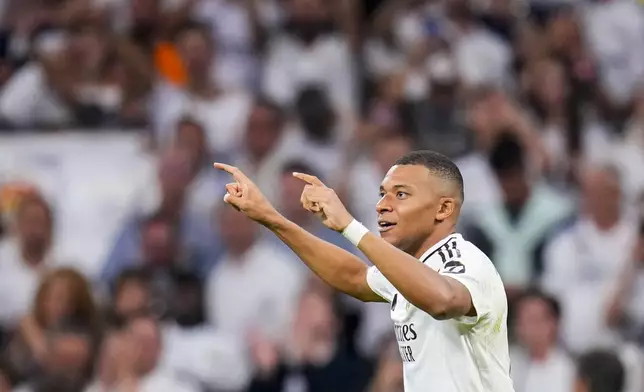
(465, 354)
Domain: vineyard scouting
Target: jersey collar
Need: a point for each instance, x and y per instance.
(430, 252)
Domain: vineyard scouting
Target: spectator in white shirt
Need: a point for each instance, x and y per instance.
(310, 52)
(239, 27)
(24, 257)
(586, 259)
(263, 149)
(199, 351)
(29, 97)
(206, 188)
(136, 364)
(538, 362)
(222, 113)
(255, 285)
(318, 133)
(613, 29)
(481, 57)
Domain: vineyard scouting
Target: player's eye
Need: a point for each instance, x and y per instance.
(402, 195)
(381, 194)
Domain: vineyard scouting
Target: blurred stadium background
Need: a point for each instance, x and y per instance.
(120, 271)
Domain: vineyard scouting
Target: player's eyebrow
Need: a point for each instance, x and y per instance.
(397, 187)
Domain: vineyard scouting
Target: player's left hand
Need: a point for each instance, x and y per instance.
(324, 203)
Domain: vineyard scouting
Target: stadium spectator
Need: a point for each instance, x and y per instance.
(264, 148)
(318, 132)
(25, 256)
(241, 30)
(196, 245)
(313, 360)
(67, 364)
(132, 296)
(434, 117)
(600, 371)
(539, 363)
(482, 58)
(30, 97)
(136, 362)
(514, 231)
(308, 51)
(221, 112)
(619, 78)
(255, 285)
(63, 300)
(200, 351)
(489, 114)
(206, 188)
(586, 259)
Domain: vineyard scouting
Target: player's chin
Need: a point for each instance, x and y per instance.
(390, 237)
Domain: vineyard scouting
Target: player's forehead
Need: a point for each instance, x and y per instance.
(407, 175)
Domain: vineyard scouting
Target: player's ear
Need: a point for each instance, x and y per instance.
(446, 208)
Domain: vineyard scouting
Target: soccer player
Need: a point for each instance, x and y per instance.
(447, 301)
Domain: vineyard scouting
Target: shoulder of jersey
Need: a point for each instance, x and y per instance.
(458, 254)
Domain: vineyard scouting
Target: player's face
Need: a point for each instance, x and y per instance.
(408, 206)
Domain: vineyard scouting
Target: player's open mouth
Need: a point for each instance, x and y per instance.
(385, 226)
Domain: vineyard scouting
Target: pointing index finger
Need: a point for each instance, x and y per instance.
(309, 179)
(232, 170)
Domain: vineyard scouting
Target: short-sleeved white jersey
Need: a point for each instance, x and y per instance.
(465, 354)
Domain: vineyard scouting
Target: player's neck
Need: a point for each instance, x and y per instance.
(437, 236)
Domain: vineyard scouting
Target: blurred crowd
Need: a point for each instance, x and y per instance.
(540, 103)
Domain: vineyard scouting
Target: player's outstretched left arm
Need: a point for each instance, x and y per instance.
(440, 296)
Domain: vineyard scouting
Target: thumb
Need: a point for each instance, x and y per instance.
(234, 200)
(234, 189)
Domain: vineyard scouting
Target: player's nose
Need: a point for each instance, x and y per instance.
(383, 206)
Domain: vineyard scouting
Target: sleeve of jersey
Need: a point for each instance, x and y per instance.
(379, 284)
(472, 276)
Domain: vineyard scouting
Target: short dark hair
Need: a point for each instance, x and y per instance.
(602, 371)
(136, 275)
(201, 28)
(507, 154)
(549, 300)
(263, 101)
(438, 164)
(190, 121)
(35, 200)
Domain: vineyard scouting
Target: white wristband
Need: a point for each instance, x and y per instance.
(355, 232)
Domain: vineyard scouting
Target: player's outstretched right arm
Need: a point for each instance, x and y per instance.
(340, 269)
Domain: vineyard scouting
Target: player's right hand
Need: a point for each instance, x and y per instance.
(245, 196)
